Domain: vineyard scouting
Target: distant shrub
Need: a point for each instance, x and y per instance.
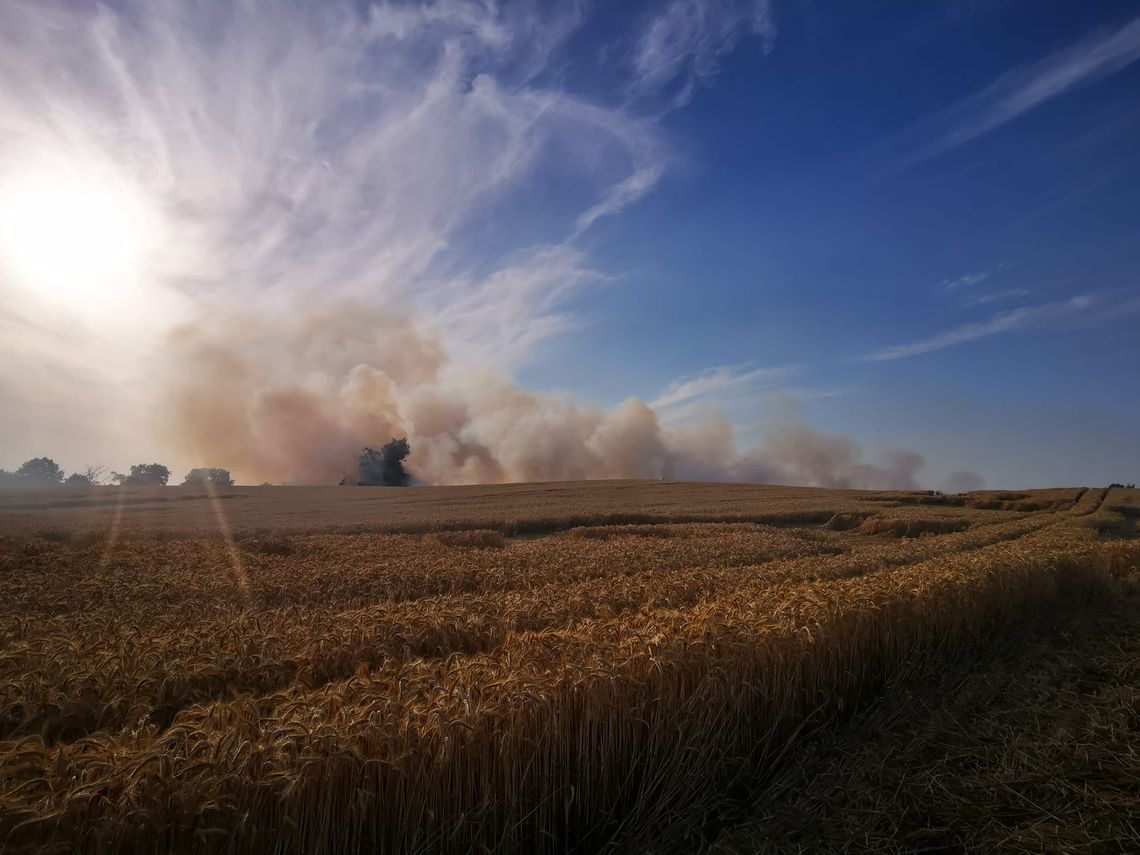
(145, 474)
(214, 477)
(91, 477)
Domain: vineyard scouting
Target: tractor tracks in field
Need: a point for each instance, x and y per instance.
(1096, 498)
(467, 624)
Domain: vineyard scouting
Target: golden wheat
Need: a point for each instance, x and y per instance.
(455, 689)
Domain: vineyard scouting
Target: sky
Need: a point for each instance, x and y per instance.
(790, 230)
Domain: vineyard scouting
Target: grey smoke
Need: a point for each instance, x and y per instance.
(963, 482)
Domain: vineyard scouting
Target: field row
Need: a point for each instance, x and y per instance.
(149, 653)
(459, 690)
(520, 726)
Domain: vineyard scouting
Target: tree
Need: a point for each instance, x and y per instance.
(92, 476)
(386, 466)
(214, 477)
(149, 474)
(40, 472)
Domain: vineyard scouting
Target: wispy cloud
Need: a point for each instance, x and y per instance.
(647, 170)
(326, 151)
(338, 152)
(1017, 92)
(497, 321)
(678, 48)
(964, 281)
(717, 384)
(996, 296)
(1015, 319)
(682, 45)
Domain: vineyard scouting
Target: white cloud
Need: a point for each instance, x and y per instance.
(997, 296)
(1023, 89)
(720, 387)
(965, 280)
(647, 171)
(1015, 319)
(497, 321)
(682, 45)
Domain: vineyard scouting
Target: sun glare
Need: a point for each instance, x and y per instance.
(67, 236)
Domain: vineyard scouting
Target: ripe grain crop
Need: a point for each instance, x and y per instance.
(480, 538)
(418, 686)
(1034, 749)
(910, 526)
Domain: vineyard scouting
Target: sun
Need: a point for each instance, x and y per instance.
(66, 235)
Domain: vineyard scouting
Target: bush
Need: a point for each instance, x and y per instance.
(214, 477)
(147, 474)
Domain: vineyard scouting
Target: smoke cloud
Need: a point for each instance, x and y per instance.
(294, 399)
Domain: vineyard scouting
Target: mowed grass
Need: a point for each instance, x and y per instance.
(531, 668)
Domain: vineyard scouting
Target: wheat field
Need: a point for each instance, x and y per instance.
(579, 667)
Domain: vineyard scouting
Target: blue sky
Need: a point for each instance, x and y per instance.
(817, 218)
(883, 225)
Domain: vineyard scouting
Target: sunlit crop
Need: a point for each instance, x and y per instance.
(535, 684)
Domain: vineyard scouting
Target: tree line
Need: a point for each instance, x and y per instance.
(382, 467)
(45, 472)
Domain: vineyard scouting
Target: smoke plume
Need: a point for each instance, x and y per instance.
(295, 398)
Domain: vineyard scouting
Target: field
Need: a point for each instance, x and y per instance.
(593, 666)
